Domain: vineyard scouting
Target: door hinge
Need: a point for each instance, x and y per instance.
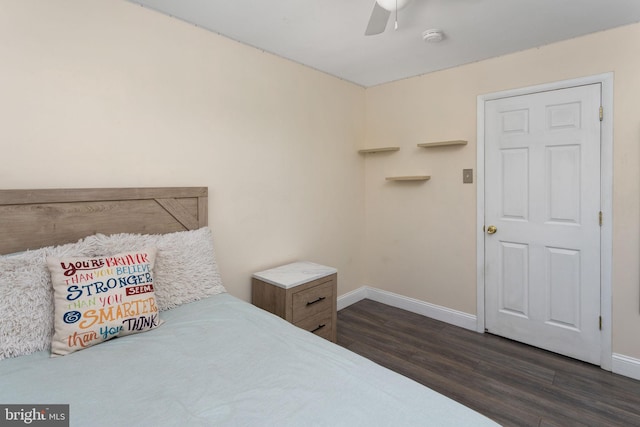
(600, 322)
(601, 113)
(600, 218)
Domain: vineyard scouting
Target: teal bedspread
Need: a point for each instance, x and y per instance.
(223, 362)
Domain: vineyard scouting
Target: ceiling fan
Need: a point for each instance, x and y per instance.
(380, 15)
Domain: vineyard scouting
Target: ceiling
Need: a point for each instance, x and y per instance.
(328, 35)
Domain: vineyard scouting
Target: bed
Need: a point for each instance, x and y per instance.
(214, 359)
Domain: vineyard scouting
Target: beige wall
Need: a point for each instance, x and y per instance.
(421, 238)
(98, 93)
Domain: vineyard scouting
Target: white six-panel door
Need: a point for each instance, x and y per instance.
(542, 195)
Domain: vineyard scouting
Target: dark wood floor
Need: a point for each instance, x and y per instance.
(512, 383)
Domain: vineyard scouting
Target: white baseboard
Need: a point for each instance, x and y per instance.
(444, 314)
(352, 297)
(625, 365)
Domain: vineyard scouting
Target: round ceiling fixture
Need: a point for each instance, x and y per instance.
(432, 36)
(393, 5)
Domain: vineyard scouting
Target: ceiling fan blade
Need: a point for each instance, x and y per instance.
(378, 21)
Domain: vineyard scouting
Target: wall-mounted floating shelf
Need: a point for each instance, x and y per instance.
(442, 143)
(409, 178)
(378, 150)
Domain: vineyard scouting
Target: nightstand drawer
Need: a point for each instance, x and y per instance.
(320, 325)
(313, 301)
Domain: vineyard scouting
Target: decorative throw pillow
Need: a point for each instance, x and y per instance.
(96, 299)
(185, 269)
(26, 298)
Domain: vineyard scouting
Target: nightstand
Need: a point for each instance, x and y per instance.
(302, 293)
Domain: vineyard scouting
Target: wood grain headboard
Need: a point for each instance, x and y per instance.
(31, 219)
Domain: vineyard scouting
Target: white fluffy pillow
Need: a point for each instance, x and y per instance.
(185, 268)
(26, 298)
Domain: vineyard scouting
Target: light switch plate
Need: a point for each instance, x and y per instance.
(467, 176)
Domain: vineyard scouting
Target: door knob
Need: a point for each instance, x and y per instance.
(491, 229)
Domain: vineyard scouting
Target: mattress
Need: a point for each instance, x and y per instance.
(221, 361)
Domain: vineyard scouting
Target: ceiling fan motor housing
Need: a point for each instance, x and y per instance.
(393, 5)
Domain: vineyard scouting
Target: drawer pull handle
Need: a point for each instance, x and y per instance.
(318, 328)
(315, 301)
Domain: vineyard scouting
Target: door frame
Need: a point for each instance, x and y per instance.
(606, 199)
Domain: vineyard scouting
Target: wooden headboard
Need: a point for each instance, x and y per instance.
(31, 219)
